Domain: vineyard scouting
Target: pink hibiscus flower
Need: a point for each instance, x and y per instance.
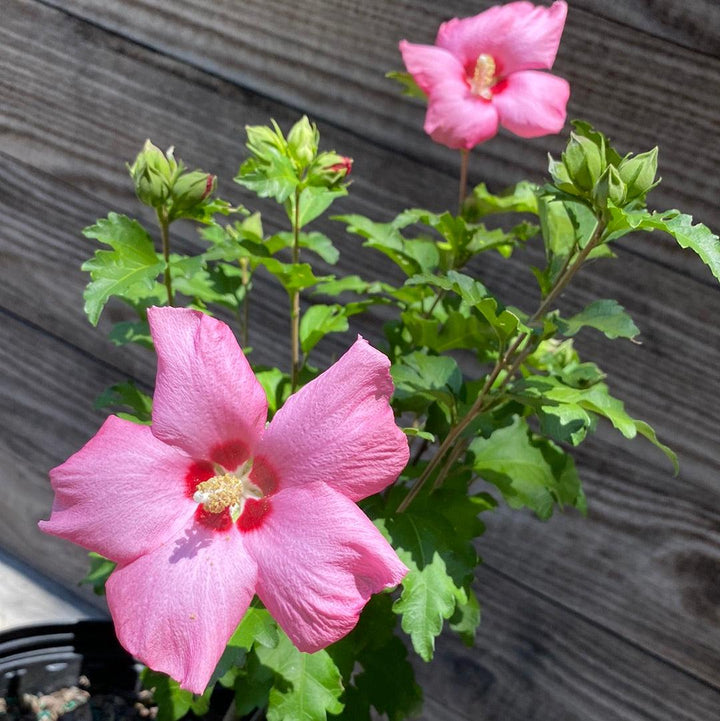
(207, 506)
(482, 72)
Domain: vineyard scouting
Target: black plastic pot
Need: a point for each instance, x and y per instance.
(42, 659)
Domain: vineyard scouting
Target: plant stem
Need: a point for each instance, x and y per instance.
(510, 362)
(462, 191)
(295, 302)
(164, 223)
(245, 315)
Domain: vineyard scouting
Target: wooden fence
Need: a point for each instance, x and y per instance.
(612, 617)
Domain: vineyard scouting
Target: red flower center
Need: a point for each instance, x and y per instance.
(233, 489)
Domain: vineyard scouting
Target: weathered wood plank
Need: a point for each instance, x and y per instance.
(694, 24)
(316, 56)
(534, 661)
(46, 395)
(645, 563)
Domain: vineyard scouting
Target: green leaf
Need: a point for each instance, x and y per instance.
(273, 176)
(131, 264)
(307, 686)
(466, 619)
(253, 683)
(375, 667)
(607, 316)
(680, 226)
(127, 395)
(100, 570)
(276, 385)
(129, 331)
(470, 290)
(413, 432)
(314, 201)
(318, 243)
(520, 198)
(412, 256)
(257, 626)
(645, 430)
(458, 331)
(173, 702)
(292, 276)
(421, 379)
(597, 399)
(529, 471)
(410, 87)
(441, 567)
(318, 321)
(464, 239)
(388, 682)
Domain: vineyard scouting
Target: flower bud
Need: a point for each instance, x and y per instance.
(329, 169)
(343, 167)
(584, 161)
(638, 173)
(191, 189)
(610, 186)
(303, 140)
(153, 174)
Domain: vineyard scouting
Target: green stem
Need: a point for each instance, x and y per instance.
(295, 302)
(245, 314)
(164, 223)
(509, 362)
(462, 190)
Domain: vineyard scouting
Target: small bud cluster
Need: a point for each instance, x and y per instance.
(163, 183)
(591, 169)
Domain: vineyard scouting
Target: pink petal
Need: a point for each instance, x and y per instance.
(123, 494)
(431, 66)
(207, 399)
(532, 103)
(339, 429)
(319, 561)
(519, 36)
(176, 608)
(460, 120)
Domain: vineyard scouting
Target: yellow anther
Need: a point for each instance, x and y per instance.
(219, 492)
(483, 76)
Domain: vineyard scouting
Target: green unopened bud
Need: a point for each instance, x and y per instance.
(610, 186)
(153, 174)
(303, 140)
(191, 189)
(560, 176)
(584, 161)
(263, 141)
(329, 169)
(638, 173)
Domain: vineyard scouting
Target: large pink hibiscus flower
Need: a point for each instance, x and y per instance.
(207, 506)
(482, 72)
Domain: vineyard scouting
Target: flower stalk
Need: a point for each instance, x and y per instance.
(295, 301)
(164, 223)
(462, 190)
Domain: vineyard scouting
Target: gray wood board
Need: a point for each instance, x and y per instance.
(78, 102)
(316, 56)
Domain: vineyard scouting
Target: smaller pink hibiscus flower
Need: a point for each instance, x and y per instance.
(482, 72)
(207, 506)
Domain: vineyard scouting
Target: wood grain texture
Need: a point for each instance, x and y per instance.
(536, 662)
(635, 589)
(639, 89)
